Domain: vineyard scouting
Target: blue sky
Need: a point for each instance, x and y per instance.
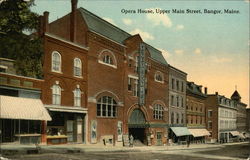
(212, 48)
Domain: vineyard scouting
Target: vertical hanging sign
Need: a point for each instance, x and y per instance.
(141, 86)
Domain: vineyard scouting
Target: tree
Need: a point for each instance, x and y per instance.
(18, 40)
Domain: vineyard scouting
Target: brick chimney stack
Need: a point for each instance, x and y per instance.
(205, 90)
(45, 21)
(73, 20)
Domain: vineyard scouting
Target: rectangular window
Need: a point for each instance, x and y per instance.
(172, 83)
(172, 100)
(177, 101)
(210, 125)
(177, 85)
(135, 91)
(182, 86)
(209, 113)
(130, 84)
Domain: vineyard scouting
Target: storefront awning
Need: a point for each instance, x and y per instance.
(66, 109)
(199, 132)
(180, 131)
(22, 108)
(235, 133)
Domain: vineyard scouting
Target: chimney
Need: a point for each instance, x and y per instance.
(73, 20)
(216, 93)
(45, 21)
(205, 90)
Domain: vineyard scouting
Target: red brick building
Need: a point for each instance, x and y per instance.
(196, 112)
(92, 73)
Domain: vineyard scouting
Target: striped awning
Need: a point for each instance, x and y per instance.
(22, 108)
(235, 133)
(199, 132)
(180, 131)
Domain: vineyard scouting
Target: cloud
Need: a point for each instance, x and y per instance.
(165, 53)
(145, 35)
(197, 51)
(179, 27)
(127, 21)
(158, 19)
(109, 20)
(179, 52)
(222, 60)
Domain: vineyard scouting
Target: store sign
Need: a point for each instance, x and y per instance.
(142, 68)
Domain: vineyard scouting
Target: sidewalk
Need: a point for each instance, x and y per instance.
(9, 149)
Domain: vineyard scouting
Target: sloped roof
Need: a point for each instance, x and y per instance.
(194, 88)
(236, 94)
(114, 33)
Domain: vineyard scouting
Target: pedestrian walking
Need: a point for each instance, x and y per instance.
(131, 141)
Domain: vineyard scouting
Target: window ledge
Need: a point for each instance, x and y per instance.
(159, 81)
(56, 71)
(110, 65)
(78, 76)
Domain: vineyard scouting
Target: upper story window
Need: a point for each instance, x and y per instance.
(172, 83)
(177, 118)
(56, 94)
(77, 67)
(172, 118)
(182, 86)
(159, 77)
(106, 107)
(172, 100)
(177, 85)
(56, 61)
(77, 97)
(209, 113)
(158, 111)
(108, 58)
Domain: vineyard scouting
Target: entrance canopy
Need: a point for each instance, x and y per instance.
(235, 133)
(66, 109)
(180, 131)
(22, 108)
(199, 132)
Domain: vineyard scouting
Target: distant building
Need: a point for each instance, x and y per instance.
(241, 121)
(196, 112)
(221, 118)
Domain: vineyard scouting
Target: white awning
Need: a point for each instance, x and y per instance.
(22, 108)
(235, 133)
(199, 132)
(180, 131)
(70, 109)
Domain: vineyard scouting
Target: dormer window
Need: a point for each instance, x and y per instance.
(56, 62)
(159, 77)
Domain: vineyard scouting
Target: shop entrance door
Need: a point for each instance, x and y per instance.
(159, 138)
(70, 129)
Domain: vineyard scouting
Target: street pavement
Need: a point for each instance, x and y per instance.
(228, 151)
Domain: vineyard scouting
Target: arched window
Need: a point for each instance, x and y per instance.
(77, 67)
(172, 118)
(158, 111)
(77, 97)
(107, 59)
(56, 94)
(159, 77)
(56, 61)
(106, 107)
